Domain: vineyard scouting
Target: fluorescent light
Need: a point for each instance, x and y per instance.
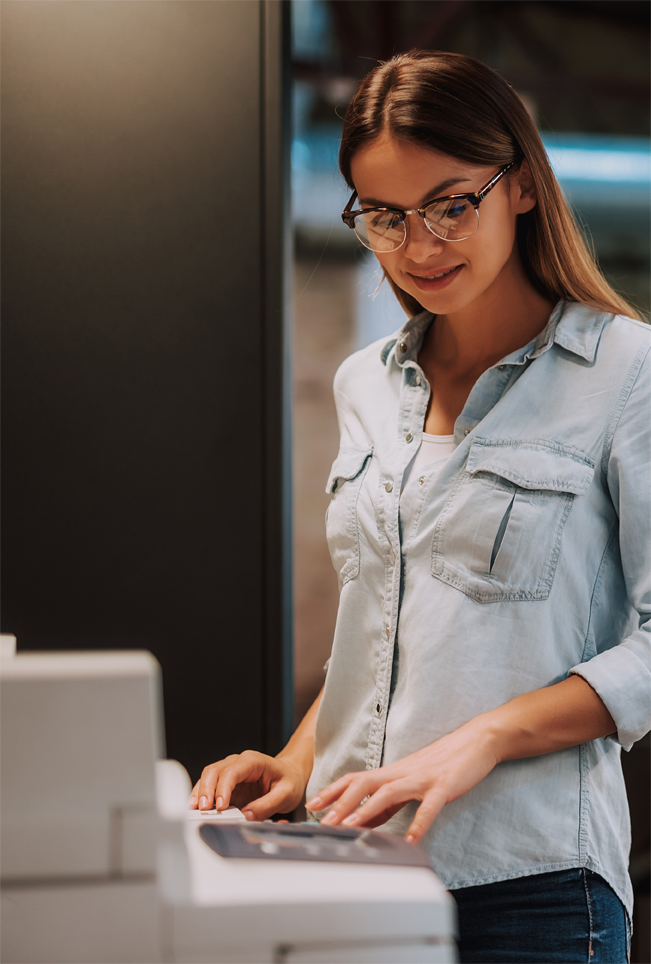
(581, 164)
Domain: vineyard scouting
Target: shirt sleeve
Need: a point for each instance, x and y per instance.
(622, 675)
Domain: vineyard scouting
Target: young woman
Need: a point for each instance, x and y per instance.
(490, 529)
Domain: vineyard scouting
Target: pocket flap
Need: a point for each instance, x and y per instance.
(347, 465)
(533, 464)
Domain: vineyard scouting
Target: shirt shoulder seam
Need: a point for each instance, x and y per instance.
(620, 405)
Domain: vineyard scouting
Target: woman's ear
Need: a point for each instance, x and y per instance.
(524, 189)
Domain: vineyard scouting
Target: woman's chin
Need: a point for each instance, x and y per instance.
(438, 303)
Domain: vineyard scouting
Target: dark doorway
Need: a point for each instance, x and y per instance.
(145, 495)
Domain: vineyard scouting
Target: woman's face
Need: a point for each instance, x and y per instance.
(445, 276)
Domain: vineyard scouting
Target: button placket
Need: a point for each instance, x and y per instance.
(385, 664)
(409, 415)
(383, 680)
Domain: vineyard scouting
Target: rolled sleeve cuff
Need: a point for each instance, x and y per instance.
(623, 681)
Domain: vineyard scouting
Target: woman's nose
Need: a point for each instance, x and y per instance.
(420, 243)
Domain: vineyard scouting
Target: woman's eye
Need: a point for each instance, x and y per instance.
(448, 211)
(383, 221)
(455, 210)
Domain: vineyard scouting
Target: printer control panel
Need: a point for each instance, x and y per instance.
(310, 841)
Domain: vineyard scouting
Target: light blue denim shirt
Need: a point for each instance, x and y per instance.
(525, 558)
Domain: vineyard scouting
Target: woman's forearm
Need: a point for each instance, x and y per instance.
(553, 718)
(300, 747)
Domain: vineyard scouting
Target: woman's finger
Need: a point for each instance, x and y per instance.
(361, 786)
(425, 815)
(381, 818)
(330, 793)
(193, 801)
(242, 770)
(276, 801)
(204, 791)
(389, 795)
(219, 779)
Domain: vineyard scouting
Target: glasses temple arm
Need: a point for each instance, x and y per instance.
(491, 184)
(346, 215)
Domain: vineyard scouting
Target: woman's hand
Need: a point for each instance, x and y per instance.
(563, 715)
(435, 775)
(257, 784)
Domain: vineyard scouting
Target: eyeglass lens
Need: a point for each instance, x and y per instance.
(450, 220)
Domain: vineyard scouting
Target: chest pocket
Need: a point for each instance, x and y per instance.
(342, 530)
(499, 534)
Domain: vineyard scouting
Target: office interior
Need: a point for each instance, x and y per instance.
(178, 293)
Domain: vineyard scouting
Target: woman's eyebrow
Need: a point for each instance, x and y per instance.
(434, 193)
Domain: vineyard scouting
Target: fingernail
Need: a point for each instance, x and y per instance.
(410, 838)
(203, 803)
(219, 803)
(249, 814)
(349, 821)
(192, 802)
(330, 817)
(313, 804)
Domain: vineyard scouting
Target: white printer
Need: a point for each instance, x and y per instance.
(102, 862)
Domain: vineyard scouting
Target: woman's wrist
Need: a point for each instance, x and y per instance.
(552, 718)
(299, 750)
(489, 732)
(299, 756)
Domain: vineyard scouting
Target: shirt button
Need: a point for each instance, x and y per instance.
(421, 480)
(388, 487)
(467, 431)
(418, 380)
(403, 346)
(409, 437)
(501, 368)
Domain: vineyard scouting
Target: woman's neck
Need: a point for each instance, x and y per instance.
(508, 316)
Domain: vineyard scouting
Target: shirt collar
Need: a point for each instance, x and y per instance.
(578, 328)
(409, 339)
(573, 326)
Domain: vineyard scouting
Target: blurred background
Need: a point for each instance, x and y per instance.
(582, 68)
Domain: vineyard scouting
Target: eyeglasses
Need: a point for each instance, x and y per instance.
(452, 218)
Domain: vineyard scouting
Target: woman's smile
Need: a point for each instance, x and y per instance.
(436, 279)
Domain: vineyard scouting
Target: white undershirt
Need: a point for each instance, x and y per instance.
(433, 449)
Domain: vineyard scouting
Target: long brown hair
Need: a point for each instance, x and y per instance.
(460, 107)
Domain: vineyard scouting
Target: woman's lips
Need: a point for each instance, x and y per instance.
(430, 283)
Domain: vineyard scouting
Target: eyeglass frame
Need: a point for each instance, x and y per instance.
(475, 198)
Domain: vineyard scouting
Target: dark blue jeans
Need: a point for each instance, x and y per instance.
(566, 916)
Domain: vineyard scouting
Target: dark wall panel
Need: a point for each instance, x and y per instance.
(136, 388)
